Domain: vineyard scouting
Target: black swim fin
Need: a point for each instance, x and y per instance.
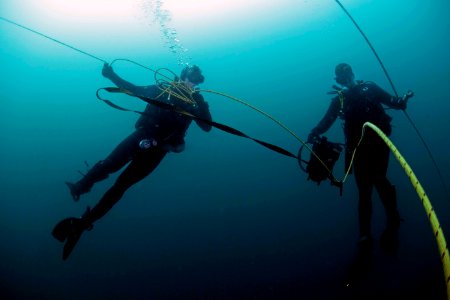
(69, 231)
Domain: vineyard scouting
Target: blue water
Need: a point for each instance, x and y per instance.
(227, 218)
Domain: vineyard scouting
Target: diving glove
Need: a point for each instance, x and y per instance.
(404, 100)
(107, 71)
(312, 137)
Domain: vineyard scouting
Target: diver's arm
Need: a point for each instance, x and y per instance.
(329, 118)
(109, 73)
(389, 100)
(203, 112)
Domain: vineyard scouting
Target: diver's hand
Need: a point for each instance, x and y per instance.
(107, 71)
(312, 137)
(409, 94)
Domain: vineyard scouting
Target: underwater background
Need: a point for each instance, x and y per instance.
(227, 218)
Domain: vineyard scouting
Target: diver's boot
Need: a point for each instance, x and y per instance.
(389, 241)
(365, 217)
(389, 199)
(70, 230)
(96, 173)
(77, 189)
(389, 237)
(362, 260)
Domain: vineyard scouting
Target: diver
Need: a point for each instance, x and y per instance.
(157, 132)
(358, 102)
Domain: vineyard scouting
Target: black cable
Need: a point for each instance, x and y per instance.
(52, 39)
(179, 110)
(370, 45)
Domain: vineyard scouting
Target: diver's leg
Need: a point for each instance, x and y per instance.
(389, 238)
(98, 172)
(137, 170)
(388, 196)
(385, 189)
(365, 210)
(118, 158)
(70, 230)
(365, 188)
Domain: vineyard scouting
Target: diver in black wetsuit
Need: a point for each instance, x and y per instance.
(158, 131)
(359, 102)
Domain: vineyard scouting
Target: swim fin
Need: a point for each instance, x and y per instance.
(69, 231)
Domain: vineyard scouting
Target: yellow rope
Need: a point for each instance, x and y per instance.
(436, 227)
(166, 82)
(172, 87)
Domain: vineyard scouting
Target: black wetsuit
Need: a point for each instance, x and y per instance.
(359, 104)
(158, 131)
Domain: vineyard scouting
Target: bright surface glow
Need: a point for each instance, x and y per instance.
(204, 13)
(132, 24)
(180, 10)
(192, 13)
(244, 17)
(229, 8)
(90, 8)
(213, 9)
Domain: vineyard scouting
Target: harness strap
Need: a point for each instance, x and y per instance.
(181, 111)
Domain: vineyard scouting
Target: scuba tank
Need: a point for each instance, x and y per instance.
(329, 153)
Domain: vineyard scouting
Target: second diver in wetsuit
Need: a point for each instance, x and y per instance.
(359, 102)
